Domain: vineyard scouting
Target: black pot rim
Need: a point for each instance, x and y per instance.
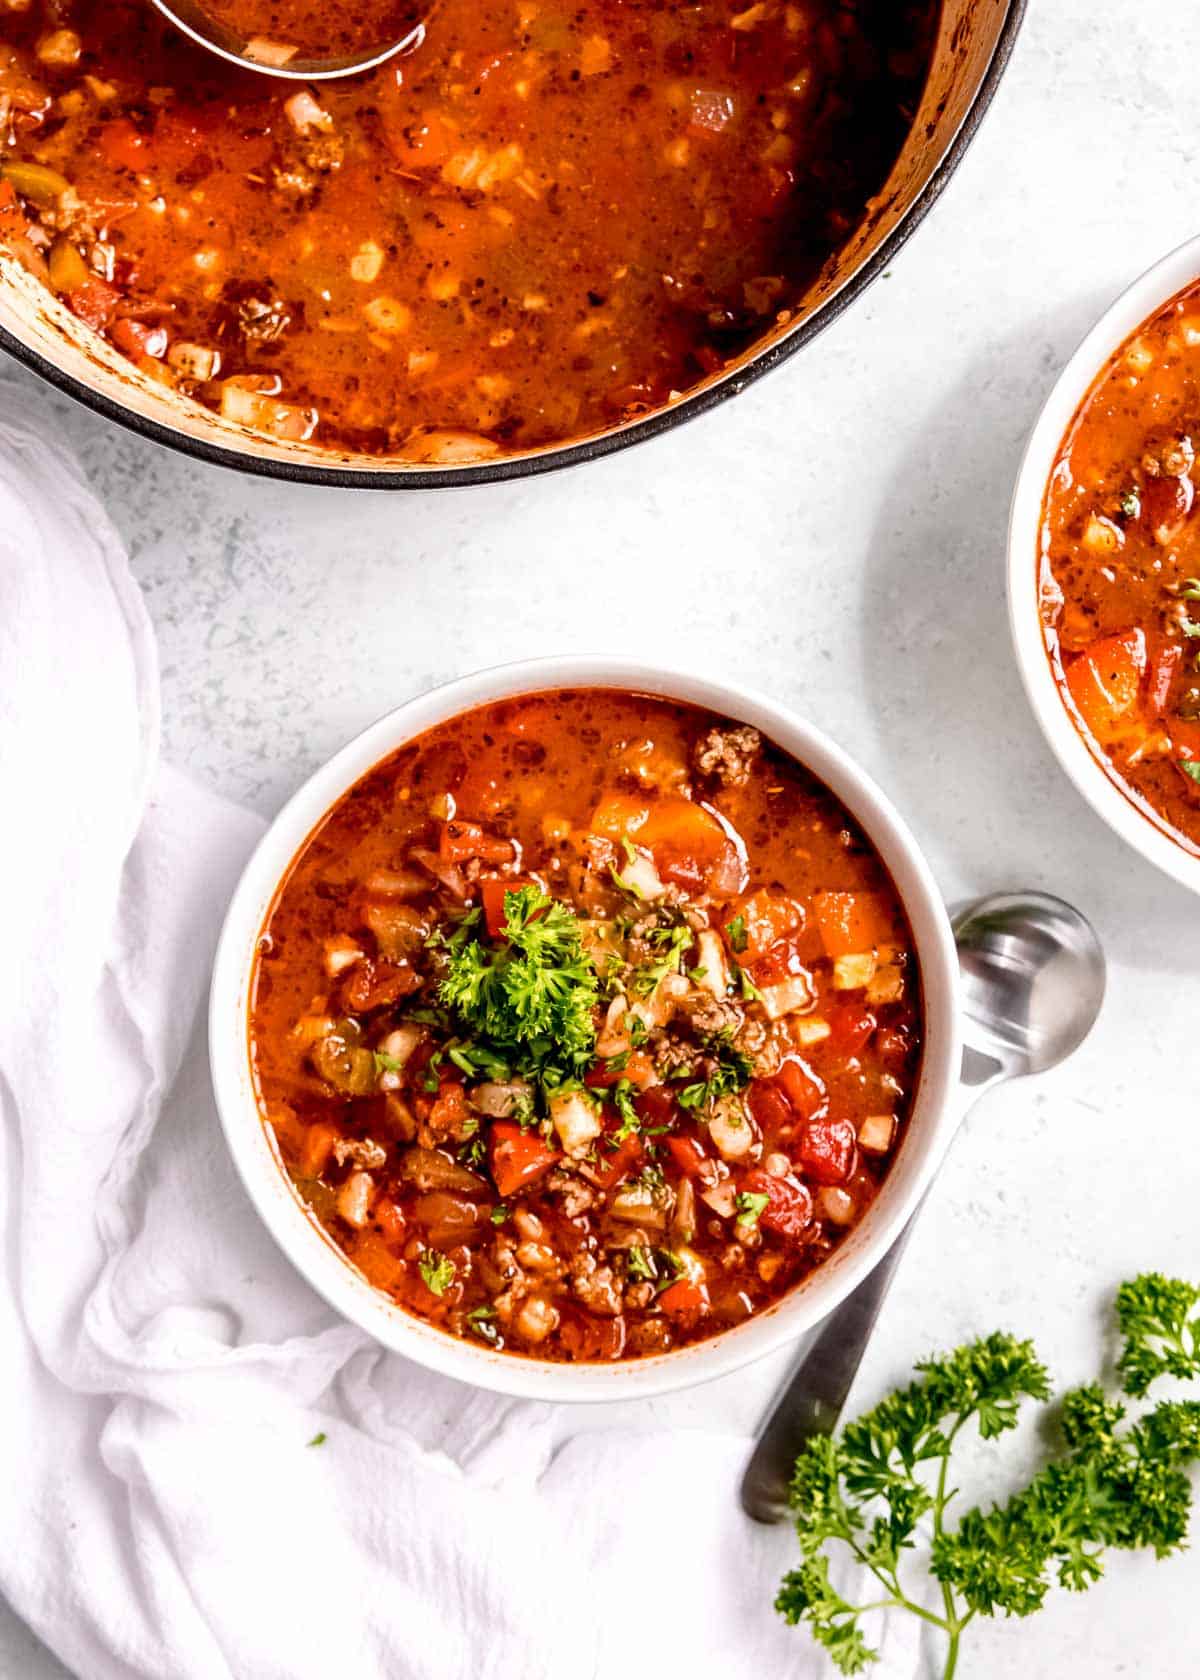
(504, 469)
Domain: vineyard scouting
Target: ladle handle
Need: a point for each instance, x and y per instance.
(811, 1400)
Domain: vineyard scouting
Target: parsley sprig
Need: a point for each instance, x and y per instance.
(885, 1483)
(526, 1002)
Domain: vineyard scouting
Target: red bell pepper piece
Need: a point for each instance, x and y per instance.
(684, 1299)
(518, 1157)
(494, 894)
(1162, 674)
(1105, 684)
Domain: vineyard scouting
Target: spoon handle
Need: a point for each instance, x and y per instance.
(812, 1398)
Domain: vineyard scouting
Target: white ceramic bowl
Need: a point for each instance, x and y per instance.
(1086, 766)
(322, 1263)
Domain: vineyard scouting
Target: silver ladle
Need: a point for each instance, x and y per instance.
(1032, 986)
(192, 19)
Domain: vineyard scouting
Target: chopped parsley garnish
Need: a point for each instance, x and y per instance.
(385, 1063)
(1189, 627)
(437, 1270)
(738, 937)
(528, 999)
(883, 1489)
(750, 1204)
(1191, 767)
(744, 983)
(319, 1439)
(622, 1094)
(480, 1320)
(617, 1064)
(1191, 589)
(1131, 502)
(673, 941)
(637, 1030)
(732, 1074)
(640, 1264)
(498, 1214)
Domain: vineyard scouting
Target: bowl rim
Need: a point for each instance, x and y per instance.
(1085, 767)
(503, 469)
(325, 1267)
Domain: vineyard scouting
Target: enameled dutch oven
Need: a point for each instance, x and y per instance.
(975, 39)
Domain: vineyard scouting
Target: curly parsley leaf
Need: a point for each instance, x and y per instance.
(1112, 1484)
(437, 1270)
(731, 1074)
(528, 999)
(1160, 1337)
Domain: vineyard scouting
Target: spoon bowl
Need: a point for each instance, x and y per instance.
(1032, 981)
(268, 57)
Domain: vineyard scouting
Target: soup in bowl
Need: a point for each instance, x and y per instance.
(1104, 566)
(593, 1035)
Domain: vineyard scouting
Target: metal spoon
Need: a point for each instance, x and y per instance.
(1033, 982)
(214, 37)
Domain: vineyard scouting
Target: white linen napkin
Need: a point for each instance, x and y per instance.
(163, 1516)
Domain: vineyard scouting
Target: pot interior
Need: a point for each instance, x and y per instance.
(43, 333)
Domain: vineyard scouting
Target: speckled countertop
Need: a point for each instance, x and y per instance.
(835, 535)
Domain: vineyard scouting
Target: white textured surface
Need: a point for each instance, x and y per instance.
(835, 535)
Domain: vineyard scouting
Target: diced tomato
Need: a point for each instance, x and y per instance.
(462, 840)
(612, 1167)
(1166, 503)
(789, 1208)
(850, 1029)
(450, 1106)
(494, 894)
(585, 1335)
(637, 1068)
(771, 1110)
(318, 1147)
(95, 302)
(684, 1300)
(374, 983)
(688, 1155)
(135, 338)
(390, 1220)
(848, 922)
(804, 1091)
(828, 1150)
(123, 145)
(1105, 684)
(1162, 674)
(518, 1157)
(656, 1106)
